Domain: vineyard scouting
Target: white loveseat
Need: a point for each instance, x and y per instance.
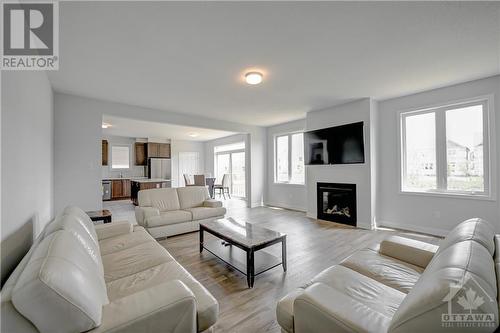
(114, 277)
(404, 286)
(171, 211)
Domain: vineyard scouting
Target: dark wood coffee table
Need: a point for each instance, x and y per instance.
(100, 215)
(248, 237)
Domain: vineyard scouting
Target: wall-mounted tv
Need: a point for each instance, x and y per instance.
(335, 145)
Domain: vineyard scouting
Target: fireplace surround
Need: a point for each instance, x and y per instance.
(337, 202)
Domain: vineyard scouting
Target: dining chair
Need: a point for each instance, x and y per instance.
(223, 188)
(199, 180)
(187, 180)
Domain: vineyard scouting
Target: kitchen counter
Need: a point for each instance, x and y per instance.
(146, 184)
(124, 178)
(149, 180)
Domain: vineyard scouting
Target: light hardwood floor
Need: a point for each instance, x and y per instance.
(313, 245)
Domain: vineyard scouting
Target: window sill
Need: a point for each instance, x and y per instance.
(289, 184)
(450, 195)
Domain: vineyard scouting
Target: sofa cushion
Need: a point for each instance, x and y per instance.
(118, 243)
(133, 260)
(389, 271)
(475, 229)
(372, 294)
(164, 199)
(465, 266)
(321, 309)
(192, 196)
(207, 306)
(201, 213)
(408, 250)
(170, 217)
(60, 289)
(75, 225)
(78, 216)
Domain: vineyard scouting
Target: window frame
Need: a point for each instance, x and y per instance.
(275, 159)
(489, 152)
(129, 156)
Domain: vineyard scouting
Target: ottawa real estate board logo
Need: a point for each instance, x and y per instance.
(470, 307)
(30, 35)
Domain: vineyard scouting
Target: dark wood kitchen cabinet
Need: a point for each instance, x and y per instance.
(158, 150)
(104, 151)
(141, 153)
(164, 150)
(120, 189)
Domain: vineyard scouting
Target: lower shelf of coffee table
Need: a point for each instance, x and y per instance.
(237, 258)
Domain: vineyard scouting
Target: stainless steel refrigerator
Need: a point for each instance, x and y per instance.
(159, 168)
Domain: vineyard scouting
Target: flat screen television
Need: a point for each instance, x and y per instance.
(335, 145)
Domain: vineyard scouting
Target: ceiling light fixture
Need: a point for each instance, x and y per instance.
(106, 125)
(193, 135)
(253, 78)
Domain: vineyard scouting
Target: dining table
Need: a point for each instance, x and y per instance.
(210, 182)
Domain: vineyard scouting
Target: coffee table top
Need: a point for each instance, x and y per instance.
(245, 233)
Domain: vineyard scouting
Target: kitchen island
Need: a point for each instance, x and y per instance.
(146, 184)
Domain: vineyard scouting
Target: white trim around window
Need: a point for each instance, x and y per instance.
(290, 163)
(442, 171)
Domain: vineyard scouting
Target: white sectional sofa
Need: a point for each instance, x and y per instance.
(114, 277)
(404, 286)
(171, 211)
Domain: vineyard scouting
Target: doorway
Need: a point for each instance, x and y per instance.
(230, 159)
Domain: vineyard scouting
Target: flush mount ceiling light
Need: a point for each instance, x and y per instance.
(253, 78)
(193, 134)
(106, 125)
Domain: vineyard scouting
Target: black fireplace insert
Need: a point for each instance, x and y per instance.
(337, 202)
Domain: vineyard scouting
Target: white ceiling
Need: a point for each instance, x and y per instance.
(190, 57)
(146, 129)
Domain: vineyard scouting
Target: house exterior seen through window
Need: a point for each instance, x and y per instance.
(289, 159)
(444, 149)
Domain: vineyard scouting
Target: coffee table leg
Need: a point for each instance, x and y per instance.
(250, 268)
(283, 253)
(201, 239)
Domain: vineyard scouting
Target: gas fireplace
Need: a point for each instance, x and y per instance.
(337, 202)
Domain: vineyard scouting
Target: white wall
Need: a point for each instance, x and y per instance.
(134, 170)
(425, 213)
(359, 174)
(27, 161)
(180, 146)
(291, 196)
(78, 149)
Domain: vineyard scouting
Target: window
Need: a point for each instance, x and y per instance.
(289, 159)
(443, 149)
(120, 157)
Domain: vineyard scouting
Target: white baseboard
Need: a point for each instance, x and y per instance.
(415, 228)
(286, 206)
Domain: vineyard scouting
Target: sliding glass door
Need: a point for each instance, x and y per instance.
(231, 161)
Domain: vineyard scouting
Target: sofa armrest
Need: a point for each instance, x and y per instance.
(408, 250)
(212, 203)
(143, 213)
(167, 307)
(113, 229)
(324, 309)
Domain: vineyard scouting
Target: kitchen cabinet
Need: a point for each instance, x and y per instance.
(158, 150)
(120, 188)
(139, 185)
(164, 150)
(104, 151)
(140, 154)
